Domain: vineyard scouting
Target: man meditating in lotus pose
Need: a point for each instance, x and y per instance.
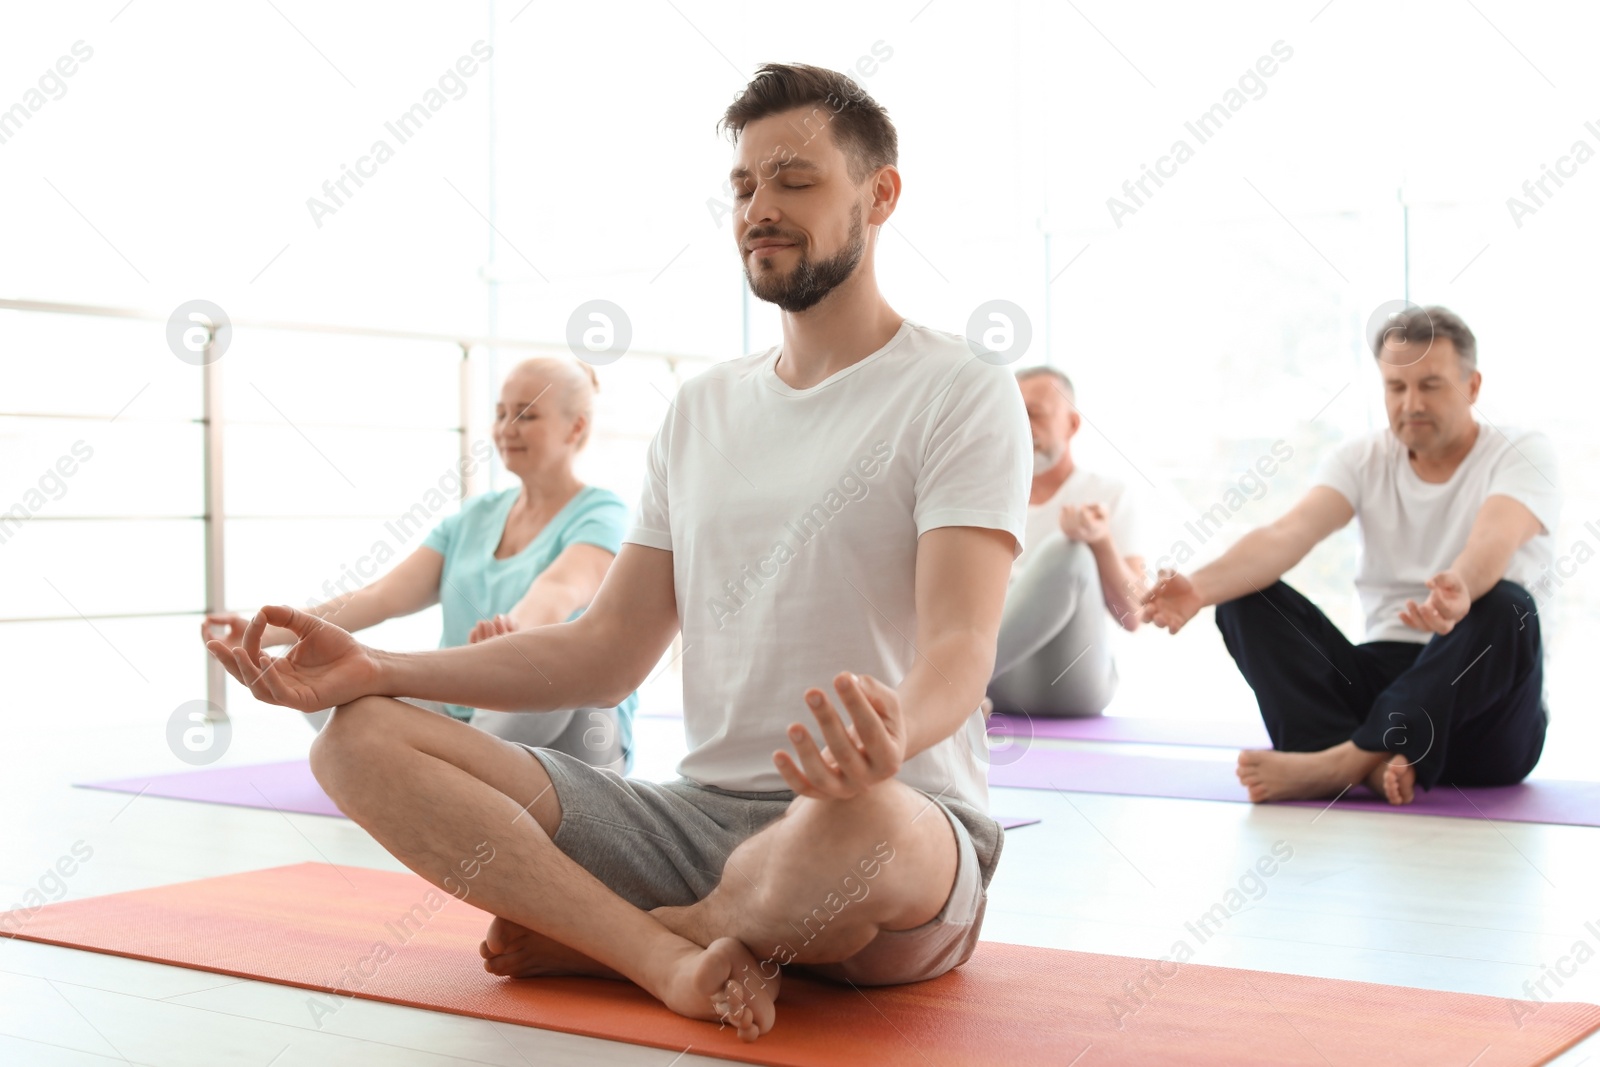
(842, 508)
(1082, 567)
(1456, 521)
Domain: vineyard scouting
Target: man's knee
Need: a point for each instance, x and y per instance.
(824, 903)
(866, 834)
(360, 715)
(1505, 607)
(1268, 602)
(1078, 559)
(353, 728)
(1058, 555)
(888, 800)
(812, 826)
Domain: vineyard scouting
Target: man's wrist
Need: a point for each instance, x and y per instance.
(390, 671)
(1461, 575)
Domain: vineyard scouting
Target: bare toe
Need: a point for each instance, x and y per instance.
(1399, 781)
(723, 983)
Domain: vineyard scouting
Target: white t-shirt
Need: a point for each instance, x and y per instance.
(793, 517)
(1124, 510)
(1412, 529)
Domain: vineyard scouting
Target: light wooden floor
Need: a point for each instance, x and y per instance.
(1458, 904)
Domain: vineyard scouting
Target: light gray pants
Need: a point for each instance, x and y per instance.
(1054, 654)
(589, 734)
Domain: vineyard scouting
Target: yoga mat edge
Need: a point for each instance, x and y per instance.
(298, 919)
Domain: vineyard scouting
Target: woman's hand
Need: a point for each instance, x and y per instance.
(500, 624)
(324, 668)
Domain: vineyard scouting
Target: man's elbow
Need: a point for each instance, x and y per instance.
(616, 689)
(975, 646)
(614, 674)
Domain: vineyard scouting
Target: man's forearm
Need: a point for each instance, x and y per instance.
(1502, 526)
(1120, 587)
(1254, 562)
(1476, 572)
(943, 687)
(548, 668)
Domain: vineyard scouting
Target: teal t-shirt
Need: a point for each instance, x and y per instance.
(476, 586)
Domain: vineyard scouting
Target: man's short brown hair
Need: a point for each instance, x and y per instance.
(861, 127)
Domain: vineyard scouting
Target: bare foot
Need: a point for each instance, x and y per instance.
(988, 708)
(1399, 780)
(514, 951)
(722, 982)
(1387, 777)
(1271, 775)
(686, 922)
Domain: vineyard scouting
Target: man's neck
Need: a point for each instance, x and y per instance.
(1440, 466)
(1047, 483)
(847, 326)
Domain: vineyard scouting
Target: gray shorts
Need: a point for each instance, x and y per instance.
(661, 844)
(591, 734)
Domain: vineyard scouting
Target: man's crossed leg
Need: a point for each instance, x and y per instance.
(431, 790)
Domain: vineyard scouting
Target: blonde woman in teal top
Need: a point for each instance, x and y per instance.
(531, 555)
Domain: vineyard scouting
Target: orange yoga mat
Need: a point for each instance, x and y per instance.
(325, 928)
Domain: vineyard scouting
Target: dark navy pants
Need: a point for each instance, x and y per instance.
(1465, 708)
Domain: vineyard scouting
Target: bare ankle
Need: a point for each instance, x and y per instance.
(1360, 761)
(688, 922)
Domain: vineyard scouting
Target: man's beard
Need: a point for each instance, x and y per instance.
(1045, 458)
(809, 282)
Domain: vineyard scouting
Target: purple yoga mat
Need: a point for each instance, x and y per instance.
(287, 786)
(1556, 802)
(1205, 733)
(1209, 734)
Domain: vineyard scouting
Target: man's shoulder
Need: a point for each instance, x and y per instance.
(938, 343)
(708, 389)
(1518, 451)
(1506, 438)
(1374, 446)
(946, 354)
(942, 369)
(722, 373)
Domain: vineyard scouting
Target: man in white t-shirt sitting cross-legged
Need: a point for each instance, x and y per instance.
(1081, 569)
(1456, 521)
(830, 523)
